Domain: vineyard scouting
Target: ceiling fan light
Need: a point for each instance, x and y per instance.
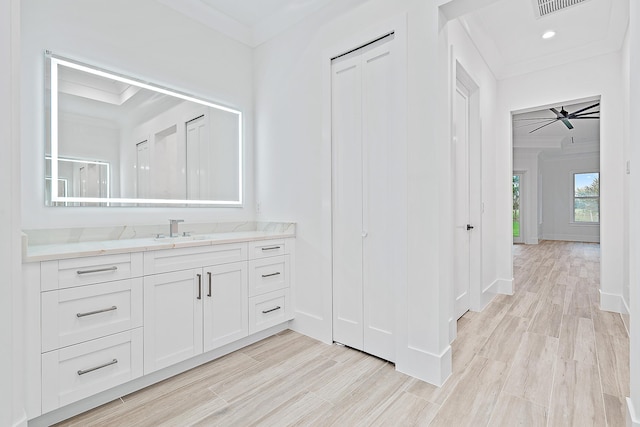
(549, 34)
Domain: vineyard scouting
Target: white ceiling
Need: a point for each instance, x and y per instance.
(251, 22)
(508, 33)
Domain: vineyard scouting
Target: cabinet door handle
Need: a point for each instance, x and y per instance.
(209, 274)
(272, 274)
(273, 309)
(199, 286)
(86, 371)
(91, 313)
(97, 270)
(272, 248)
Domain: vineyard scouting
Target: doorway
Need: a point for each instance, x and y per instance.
(517, 210)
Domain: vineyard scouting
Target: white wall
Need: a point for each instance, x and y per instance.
(626, 78)
(583, 79)
(482, 191)
(143, 39)
(293, 152)
(12, 378)
(634, 212)
(526, 161)
(557, 197)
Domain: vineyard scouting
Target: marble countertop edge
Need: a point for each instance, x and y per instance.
(56, 251)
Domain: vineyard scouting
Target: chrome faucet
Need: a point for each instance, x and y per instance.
(173, 227)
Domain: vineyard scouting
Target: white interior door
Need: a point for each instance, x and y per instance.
(346, 116)
(463, 226)
(142, 170)
(362, 137)
(198, 169)
(377, 137)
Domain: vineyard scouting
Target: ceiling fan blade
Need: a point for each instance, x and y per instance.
(567, 123)
(557, 113)
(534, 118)
(584, 117)
(573, 116)
(586, 108)
(550, 123)
(534, 124)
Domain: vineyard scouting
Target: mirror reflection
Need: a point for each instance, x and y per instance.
(116, 141)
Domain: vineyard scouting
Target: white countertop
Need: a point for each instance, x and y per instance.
(64, 250)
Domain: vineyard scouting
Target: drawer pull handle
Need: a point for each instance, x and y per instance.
(97, 270)
(91, 313)
(86, 371)
(272, 248)
(209, 274)
(269, 311)
(272, 274)
(199, 286)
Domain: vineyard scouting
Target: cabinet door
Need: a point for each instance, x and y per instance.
(172, 318)
(225, 293)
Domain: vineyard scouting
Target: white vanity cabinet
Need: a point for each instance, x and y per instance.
(91, 326)
(112, 323)
(269, 290)
(192, 311)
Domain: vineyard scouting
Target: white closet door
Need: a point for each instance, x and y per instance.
(346, 136)
(377, 137)
(362, 137)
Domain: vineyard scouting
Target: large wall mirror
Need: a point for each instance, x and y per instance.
(117, 141)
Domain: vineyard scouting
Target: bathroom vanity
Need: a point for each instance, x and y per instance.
(109, 313)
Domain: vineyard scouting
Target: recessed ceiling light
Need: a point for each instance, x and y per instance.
(548, 35)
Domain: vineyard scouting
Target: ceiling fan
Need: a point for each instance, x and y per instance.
(564, 116)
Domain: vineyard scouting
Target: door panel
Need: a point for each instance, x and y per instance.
(377, 95)
(347, 202)
(225, 294)
(461, 195)
(172, 318)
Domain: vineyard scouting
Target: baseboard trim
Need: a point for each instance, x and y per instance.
(632, 419)
(572, 238)
(22, 422)
(432, 368)
(453, 329)
(611, 302)
(500, 286)
(312, 326)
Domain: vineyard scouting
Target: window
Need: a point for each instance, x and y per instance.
(586, 197)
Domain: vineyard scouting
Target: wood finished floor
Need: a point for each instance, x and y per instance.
(546, 356)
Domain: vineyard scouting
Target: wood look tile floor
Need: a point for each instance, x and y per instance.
(545, 356)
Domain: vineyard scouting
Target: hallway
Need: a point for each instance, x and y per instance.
(548, 353)
(546, 356)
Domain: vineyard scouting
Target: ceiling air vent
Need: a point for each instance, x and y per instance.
(546, 7)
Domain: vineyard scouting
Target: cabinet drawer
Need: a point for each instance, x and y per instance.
(167, 260)
(69, 273)
(268, 274)
(267, 248)
(269, 310)
(71, 316)
(79, 371)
